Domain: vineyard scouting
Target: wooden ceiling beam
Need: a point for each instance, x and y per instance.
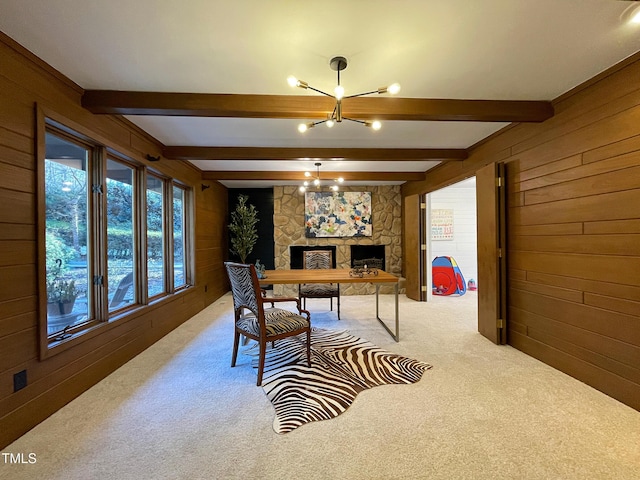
(294, 153)
(116, 102)
(327, 176)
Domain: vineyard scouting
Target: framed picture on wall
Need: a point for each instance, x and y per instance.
(442, 224)
(337, 214)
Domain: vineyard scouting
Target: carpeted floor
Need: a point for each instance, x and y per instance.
(178, 411)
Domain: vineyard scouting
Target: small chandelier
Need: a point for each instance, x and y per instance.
(316, 181)
(338, 64)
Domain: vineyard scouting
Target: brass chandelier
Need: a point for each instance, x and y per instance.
(338, 64)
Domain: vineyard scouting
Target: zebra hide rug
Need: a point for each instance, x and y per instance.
(341, 367)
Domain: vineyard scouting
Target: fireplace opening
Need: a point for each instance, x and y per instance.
(371, 255)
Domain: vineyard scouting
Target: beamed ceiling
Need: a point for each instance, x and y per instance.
(208, 79)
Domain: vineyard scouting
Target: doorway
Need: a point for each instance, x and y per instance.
(490, 266)
(453, 226)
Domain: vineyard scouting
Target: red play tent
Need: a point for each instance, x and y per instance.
(447, 277)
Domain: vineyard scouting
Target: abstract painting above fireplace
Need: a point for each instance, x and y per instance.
(337, 214)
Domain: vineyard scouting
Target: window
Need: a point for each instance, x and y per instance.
(114, 233)
(66, 167)
(120, 241)
(155, 236)
(179, 258)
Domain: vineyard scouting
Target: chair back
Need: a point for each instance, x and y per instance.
(245, 287)
(121, 291)
(317, 259)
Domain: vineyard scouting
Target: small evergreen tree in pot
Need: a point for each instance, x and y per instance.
(244, 233)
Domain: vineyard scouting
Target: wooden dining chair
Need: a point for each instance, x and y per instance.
(319, 259)
(262, 324)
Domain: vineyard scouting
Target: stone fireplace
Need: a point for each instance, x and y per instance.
(289, 232)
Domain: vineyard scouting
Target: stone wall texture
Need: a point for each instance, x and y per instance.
(289, 229)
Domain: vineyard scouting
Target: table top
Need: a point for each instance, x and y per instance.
(330, 275)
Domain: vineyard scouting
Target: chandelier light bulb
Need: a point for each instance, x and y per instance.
(334, 188)
(305, 183)
(302, 188)
(339, 92)
(303, 127)
(316, 182)
(307, 174)
(292, 81)
(393, 88)
(340, 180)
(376, 125)
(330, 123)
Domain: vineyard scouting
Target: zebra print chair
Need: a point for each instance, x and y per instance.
(262, 324)
(317, 259)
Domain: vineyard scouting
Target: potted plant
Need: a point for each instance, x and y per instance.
(61, 296)
(243, 228)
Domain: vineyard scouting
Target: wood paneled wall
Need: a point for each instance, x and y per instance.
(573, 227)
(25, 80)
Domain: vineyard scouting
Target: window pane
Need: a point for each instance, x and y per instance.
(155, 237)
(66, 194)
(120, 248)
(179, 277)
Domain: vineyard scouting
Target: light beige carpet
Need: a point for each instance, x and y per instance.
(178, 411)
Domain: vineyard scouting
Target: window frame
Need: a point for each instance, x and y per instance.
(92, 314)
(166, 246)
(138, 206)
(187, 219)
(100, 319)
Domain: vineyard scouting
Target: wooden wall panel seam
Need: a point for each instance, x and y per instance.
(621, 352)
(520, 179)
(626, 146)
(610, 289)
(580, 171)
(610, 364)
(17, 178)
(593, 319)
(607, 268)
(570, 124)
(620, 205)
(607, 382)
(597, 244)
(618, 180)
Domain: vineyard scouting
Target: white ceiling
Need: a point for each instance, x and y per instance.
(474, 49)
